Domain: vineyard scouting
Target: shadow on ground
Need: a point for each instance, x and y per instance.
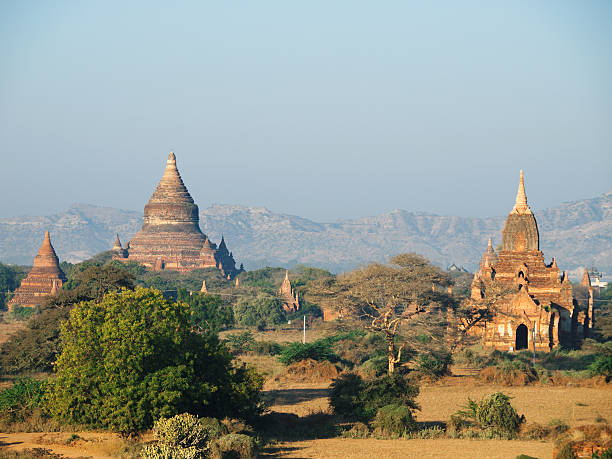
(293, 396)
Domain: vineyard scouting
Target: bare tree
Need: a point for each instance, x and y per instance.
(381, 297)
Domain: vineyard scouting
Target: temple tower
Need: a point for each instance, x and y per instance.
(536, 295)
(44, 279)
(288, 296)
(170, 237)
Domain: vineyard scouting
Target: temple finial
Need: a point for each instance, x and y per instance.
(286, 274)
(490, 245)
(171, 157)
(521, 206)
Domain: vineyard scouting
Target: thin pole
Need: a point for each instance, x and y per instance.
(534, 337)
(304, 339)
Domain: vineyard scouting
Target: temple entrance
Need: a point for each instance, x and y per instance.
(521, 337)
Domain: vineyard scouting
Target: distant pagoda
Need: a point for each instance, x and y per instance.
(170, 237)
(44, 279)
(290, 298)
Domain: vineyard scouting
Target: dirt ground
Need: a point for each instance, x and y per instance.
(574, 405)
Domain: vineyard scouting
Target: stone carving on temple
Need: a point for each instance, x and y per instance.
(290, 298)
(538, 309)
(170, 237)
(44, 279)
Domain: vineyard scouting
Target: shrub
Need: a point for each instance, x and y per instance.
(266, 348)
(214, 427)
(233, 445)
(434, 366)
(240, 343)
(394, 420)
(494, 412)
(509, 373)
(22, 312)
(317, 350)
(358, 399)
(429, 433)
(18, 402)
(263, 310)
(183, 430)
(359, 430)
(602, 366)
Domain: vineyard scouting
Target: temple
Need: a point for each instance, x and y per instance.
(290, 299)
(537, 309)
(170, 237)
(44, 279)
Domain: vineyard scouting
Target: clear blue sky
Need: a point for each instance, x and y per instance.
(324, 109)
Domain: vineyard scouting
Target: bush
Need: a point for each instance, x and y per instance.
(183, 430)
(494, 412)
(317, 350)
(602, 366)
(509, 373)
(266, 348)
(18, 402)
(22, 312)
(358, 399)
(394, 420)
(233, 445)
(240, 343)
(434, 366)
(209, 312)
(133, 358)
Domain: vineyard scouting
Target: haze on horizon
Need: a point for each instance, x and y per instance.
(326, 110)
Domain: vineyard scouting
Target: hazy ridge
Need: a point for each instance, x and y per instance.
(577, 233)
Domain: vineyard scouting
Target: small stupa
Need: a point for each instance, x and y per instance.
(44, 279)
(288, 296)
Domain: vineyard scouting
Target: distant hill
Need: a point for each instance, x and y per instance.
(577, 233)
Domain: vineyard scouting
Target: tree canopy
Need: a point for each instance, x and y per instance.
(133, 358)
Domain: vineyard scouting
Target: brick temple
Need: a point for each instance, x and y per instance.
(290, 298)
(44, 279)
(538, 307)
(170, 237)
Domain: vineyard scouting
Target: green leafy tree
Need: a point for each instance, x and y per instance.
(208, 312)
(36, 347)
(133, 358)
(262, 310)
(10, 277)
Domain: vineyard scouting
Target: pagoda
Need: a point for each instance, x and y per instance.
(288, 296)
(170, 237)
(537, 309)
(44, 279)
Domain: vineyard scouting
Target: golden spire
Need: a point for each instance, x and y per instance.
(520, 206)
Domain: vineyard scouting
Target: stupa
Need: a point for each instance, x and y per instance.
(44, 279)
(170, 237)
(288, 296)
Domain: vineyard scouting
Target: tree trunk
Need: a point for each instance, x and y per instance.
(391, 354)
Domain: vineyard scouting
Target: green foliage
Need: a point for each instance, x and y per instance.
(209, 312)
(181, 436)
(133, 358)
(306, 309)
(602, 366)
(394, 420)
(36, 347)
(494, 412)
(18, 401)
(433, 365)
(266, 347)
(356, 399)
(22, 312)
(263, 310)
(317, 350)
(10, 277)
(239, 343)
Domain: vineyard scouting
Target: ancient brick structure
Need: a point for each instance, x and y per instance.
(170, 237)
(538, 305)
(290, 299)
(44, 279)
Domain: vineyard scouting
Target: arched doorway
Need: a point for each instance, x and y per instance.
(521, 337)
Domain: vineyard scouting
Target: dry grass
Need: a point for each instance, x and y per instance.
(284, 335)
(9, 327)
(98, 445)
(574, 405)
(441, 448)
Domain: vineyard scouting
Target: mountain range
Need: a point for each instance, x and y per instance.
(577, 233)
